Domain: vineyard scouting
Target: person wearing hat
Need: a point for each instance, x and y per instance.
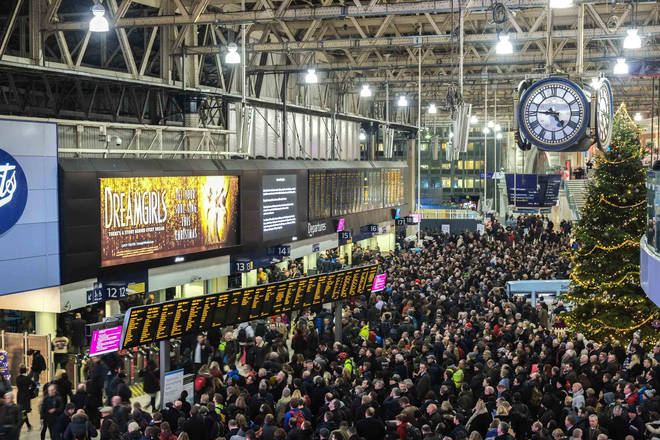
(79, 428)
(109, 427)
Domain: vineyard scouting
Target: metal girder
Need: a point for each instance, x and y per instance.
(297, 14)
(425, 40)
(403, 62)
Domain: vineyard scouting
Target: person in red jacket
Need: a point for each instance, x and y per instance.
(401, 425)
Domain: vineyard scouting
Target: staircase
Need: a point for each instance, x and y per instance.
(577, 195)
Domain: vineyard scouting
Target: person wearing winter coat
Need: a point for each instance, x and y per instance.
(80, 428)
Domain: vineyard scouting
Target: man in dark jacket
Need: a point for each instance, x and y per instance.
(194, 426)
(38, 364)
(10, 417)
(51, 408)
(63, 420)
(78, 339)
(371, 428)
(305, 432)
(120, 413)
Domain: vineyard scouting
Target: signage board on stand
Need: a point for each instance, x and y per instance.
(172, 387)
(480, 228)
(446, 229)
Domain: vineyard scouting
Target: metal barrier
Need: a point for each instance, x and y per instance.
(17, 346)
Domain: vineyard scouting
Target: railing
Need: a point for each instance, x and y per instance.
(450, 214)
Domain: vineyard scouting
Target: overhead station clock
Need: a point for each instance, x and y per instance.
(604, 112)
(557, 114)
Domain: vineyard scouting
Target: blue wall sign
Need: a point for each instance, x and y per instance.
(13, 191)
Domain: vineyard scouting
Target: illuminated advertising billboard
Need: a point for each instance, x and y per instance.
(144, 218)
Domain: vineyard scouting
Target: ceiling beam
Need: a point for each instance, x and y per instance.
(425, 40)
(304, 13)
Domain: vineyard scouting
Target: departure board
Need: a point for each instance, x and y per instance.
(172, 319)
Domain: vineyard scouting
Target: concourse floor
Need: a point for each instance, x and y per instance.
(35, 434)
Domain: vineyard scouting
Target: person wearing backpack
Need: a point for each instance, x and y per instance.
(80, 428)
(294, 413)
(27, 390)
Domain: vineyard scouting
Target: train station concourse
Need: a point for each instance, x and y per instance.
(329, 220)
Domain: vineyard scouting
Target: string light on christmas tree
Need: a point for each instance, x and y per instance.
(606, 298)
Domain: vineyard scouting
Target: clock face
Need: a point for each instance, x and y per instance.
(552, 114)
(604, 114)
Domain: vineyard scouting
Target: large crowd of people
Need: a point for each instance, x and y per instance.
(441, 353)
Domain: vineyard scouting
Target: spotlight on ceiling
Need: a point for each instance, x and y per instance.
(504, 46)
(621, 67)
(403, 101)
(561, 4)
(474, 119)
(638, 117)
(98, 23)
(365, 92)
(232, 57)
(632, 40)
(311, 77)
(432, 109)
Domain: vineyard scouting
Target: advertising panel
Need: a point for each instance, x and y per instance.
(154, 217)
(279, 196)
(29, 234)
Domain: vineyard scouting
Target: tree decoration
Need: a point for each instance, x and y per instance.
(607, 299)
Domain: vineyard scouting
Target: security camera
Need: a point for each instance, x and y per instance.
(117, 141)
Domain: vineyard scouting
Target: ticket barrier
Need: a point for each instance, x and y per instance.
(175, 349)
(142, 354)
(128, 367)
(154, 352)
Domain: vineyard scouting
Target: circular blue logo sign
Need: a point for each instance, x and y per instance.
(13, 191)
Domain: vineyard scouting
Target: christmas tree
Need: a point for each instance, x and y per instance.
(606, 296)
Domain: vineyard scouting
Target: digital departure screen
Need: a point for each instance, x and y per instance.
(160, 322)
(279, 206)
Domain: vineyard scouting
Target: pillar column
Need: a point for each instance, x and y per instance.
(193, 289)
(249, 279)
(219, 284)
(46, 323)
(348, 251)
(112, 308)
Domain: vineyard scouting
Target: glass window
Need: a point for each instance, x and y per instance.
(459, 165)
(444, 146)
(469, 164)
(425, 146)
(469, 183)
(446, 182)
(446, 166)
(470, 145)
(458, 183)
